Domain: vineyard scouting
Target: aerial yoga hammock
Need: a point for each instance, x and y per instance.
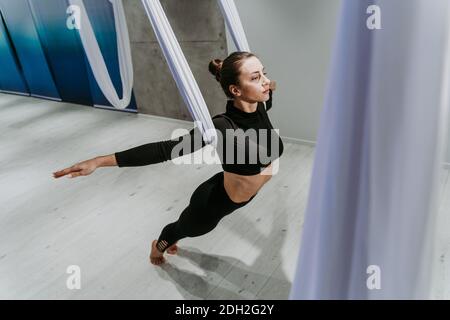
(97, 61)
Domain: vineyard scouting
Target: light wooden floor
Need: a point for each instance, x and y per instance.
(104, 223)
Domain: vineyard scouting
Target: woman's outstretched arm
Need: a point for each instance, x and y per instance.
(150, 153)
(160, 151)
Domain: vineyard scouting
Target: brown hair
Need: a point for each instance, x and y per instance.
(227, 71)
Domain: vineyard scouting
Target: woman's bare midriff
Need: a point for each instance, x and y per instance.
(241, 188)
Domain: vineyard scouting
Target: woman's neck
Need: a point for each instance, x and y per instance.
(245, 105)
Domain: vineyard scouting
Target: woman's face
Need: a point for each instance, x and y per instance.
(253, 83)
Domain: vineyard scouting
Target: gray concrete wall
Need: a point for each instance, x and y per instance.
(200, 29)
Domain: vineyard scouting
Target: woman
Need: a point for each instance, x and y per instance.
(244, 81)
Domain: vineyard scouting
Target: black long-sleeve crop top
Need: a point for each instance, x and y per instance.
(252, 150)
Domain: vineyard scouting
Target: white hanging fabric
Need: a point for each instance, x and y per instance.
(234, 24)
(370, 218)
(180, 70)
(96, 60)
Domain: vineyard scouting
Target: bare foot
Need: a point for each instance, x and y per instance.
(173, 249)
(156, 257)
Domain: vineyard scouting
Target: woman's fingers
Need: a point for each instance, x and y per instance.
(66, 171)
(80, 169)
(75, 174)
(273, 85)
(61, 173)
(58, 174)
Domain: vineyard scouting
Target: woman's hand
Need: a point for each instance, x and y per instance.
(84, 168)
(272, 85)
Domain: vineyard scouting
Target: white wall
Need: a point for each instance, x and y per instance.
(448, 146)
(294, 40)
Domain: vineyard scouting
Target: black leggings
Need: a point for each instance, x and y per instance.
(208, 205)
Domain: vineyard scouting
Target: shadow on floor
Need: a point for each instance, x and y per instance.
(230, 278)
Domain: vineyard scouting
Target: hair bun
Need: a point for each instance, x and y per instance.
(215, 67)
